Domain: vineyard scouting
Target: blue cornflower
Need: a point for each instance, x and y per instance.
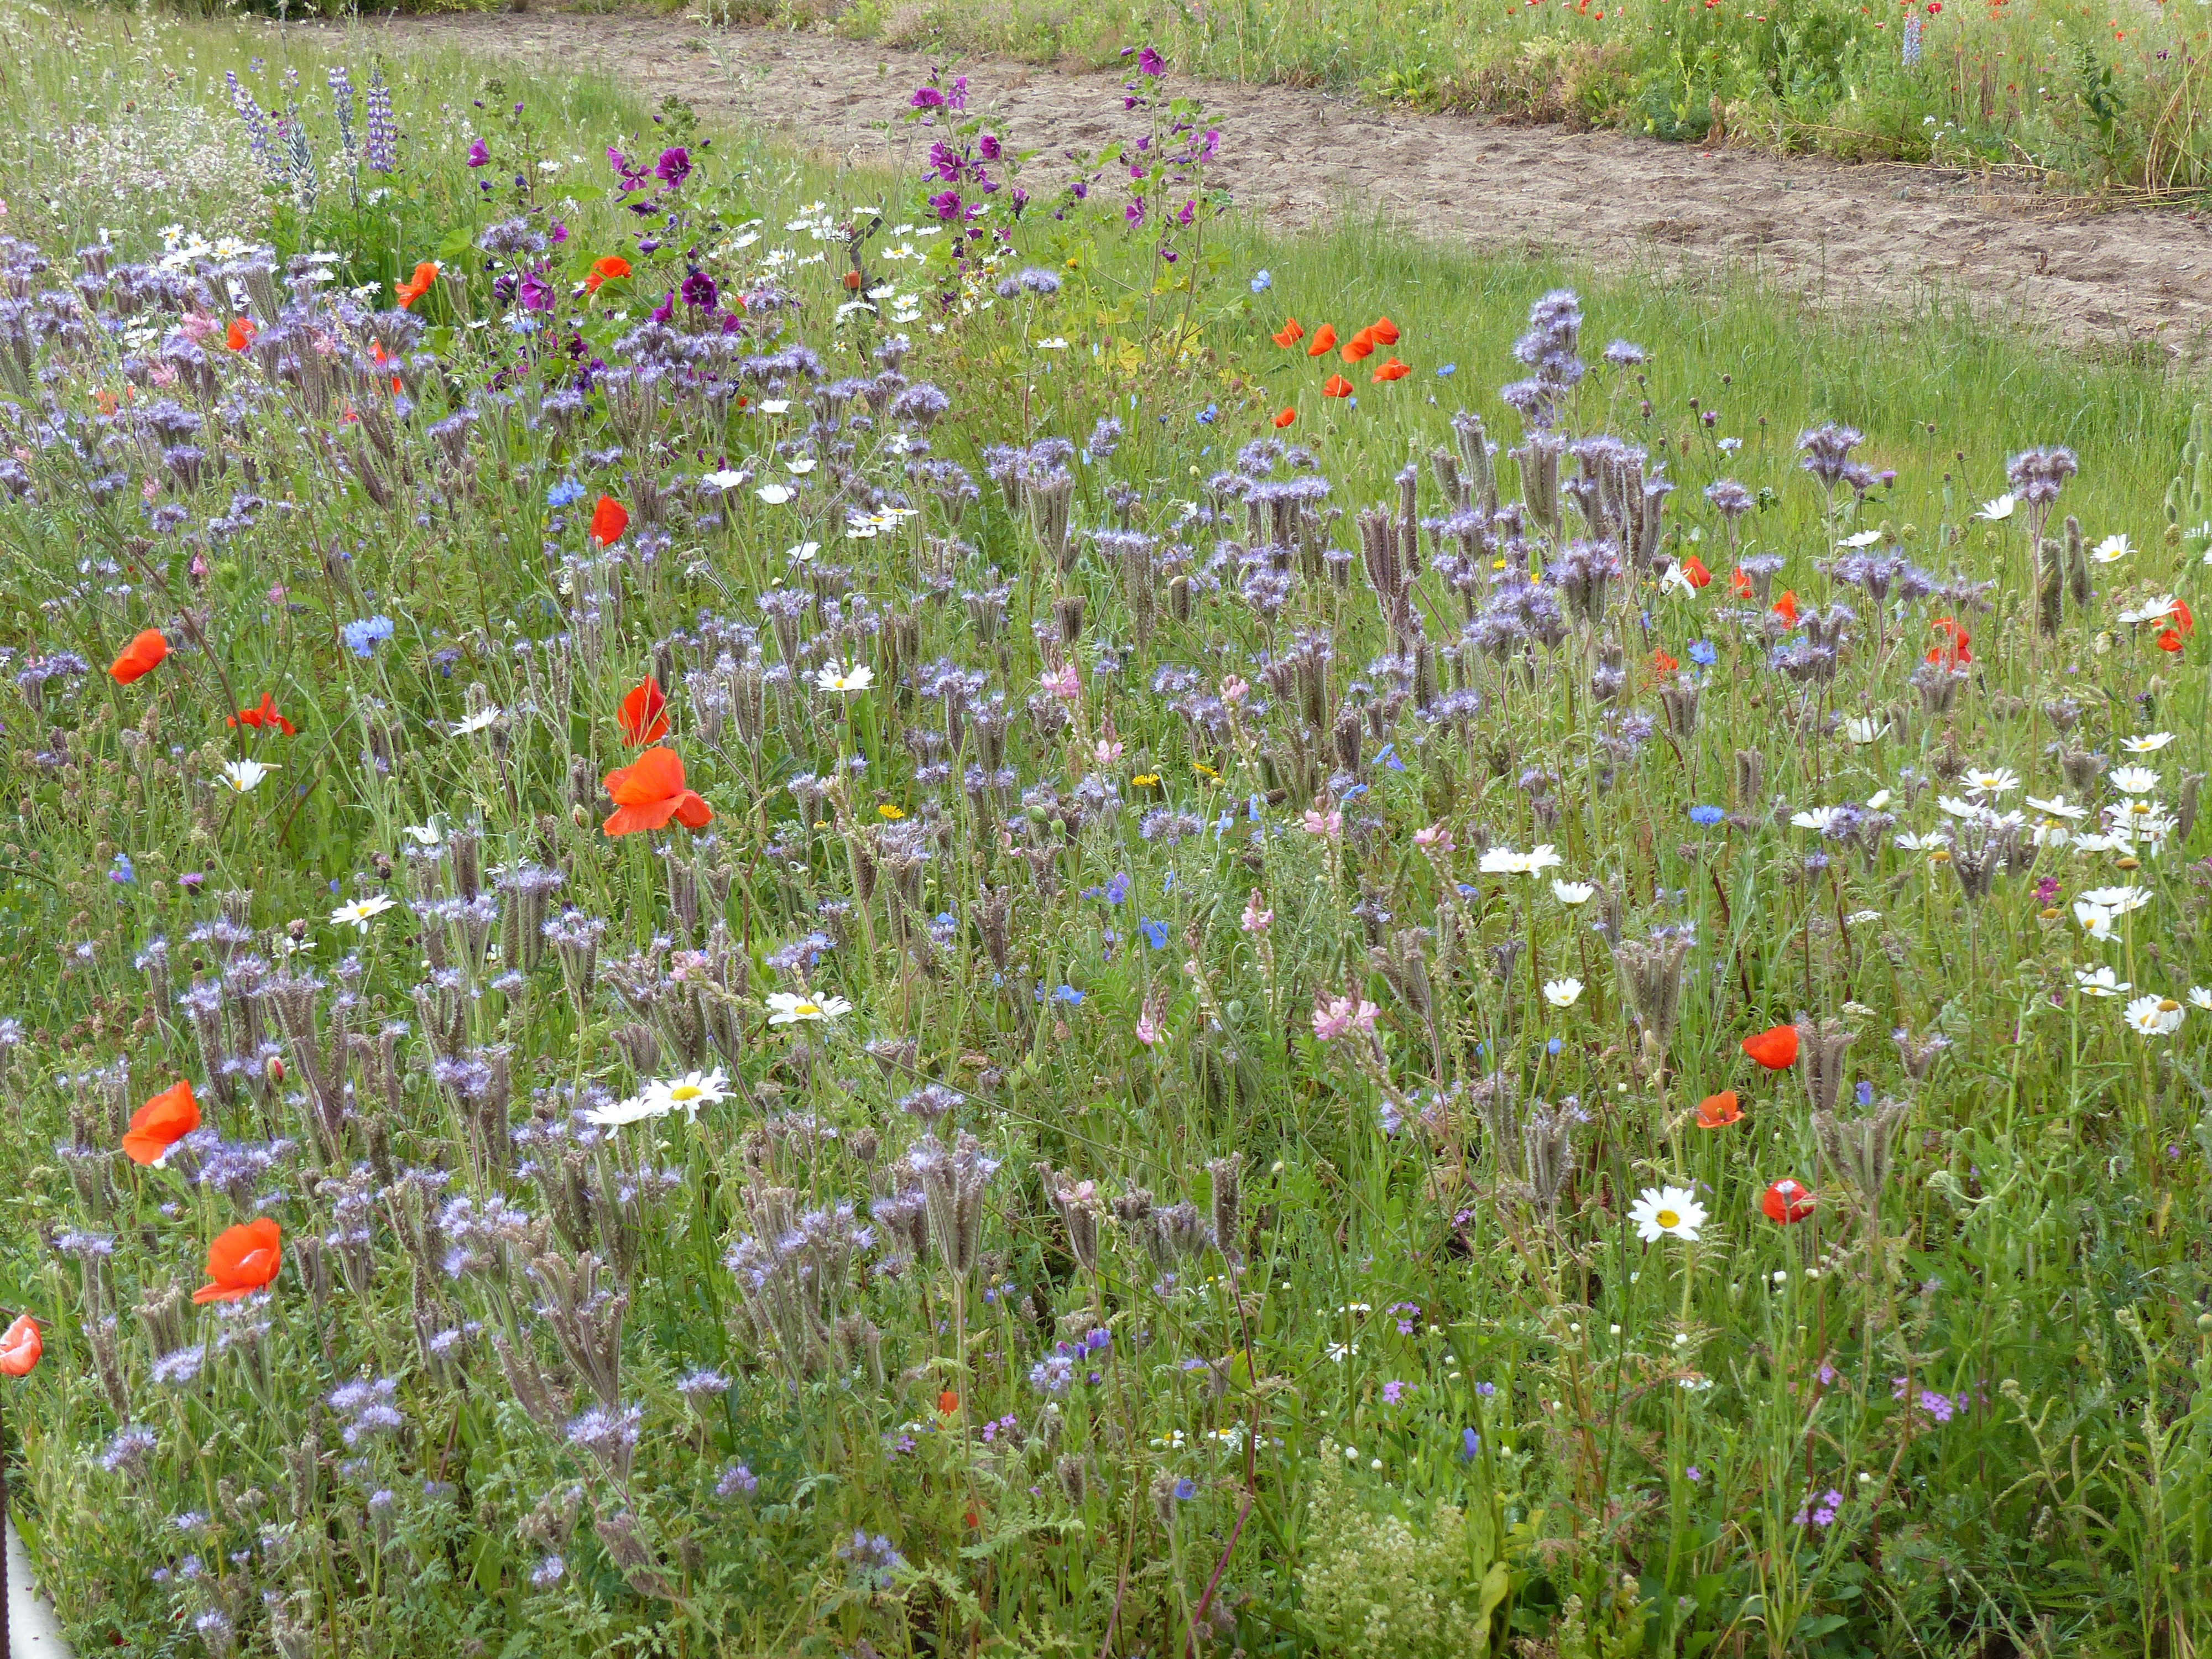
(1261, 281)
(1706, 815)
(1117, 890)
(1389, 757)
(1702, 653)
(567, 493)
(1445, 371)
(1067, 993)
(1208, 416)
(1553, 1047)
(1185, 1490)
(362, 637)
(1485, 1389)
(124, 874)
(1156, 932)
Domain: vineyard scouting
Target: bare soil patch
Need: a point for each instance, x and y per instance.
(1866, 237)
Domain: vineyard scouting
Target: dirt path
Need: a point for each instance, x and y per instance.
(1861, 237)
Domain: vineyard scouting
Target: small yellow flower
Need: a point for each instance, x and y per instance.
(890, 812)
(1147, 780)
(1205, 771)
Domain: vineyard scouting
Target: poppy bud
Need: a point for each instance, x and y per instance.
(275, 1069)
(852, 280)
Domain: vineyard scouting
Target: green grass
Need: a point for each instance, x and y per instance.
(2035, 1256)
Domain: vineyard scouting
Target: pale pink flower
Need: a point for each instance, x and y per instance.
(1329, 823)
(150, 489)
(1436, 841)
(1148, 1027)
(1106, 752)
(1064, 682)
(1234, 689)
(198, 327)
(1256, 920)
(162, 374)
(1337, 1017)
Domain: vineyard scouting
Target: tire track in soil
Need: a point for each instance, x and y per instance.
(1866, 239)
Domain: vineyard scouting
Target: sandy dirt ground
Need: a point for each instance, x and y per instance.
(1865, 237)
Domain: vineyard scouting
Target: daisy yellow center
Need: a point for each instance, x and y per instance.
(2167, 1005)
(1669, 1218)
(807, 1008)
(686, 1091)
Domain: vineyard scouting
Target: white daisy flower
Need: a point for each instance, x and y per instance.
(2058, 808)
(1991, 781)
(1572, 892)
(844, 676)
(1877, 800)
(1563, 993)
(1862, 539)
(2111, 550)
(1997, 511)
(1864, 729)
(483, 720)
(787, 1008)
(2134, 780)
(1818, 818)
(2149, 744)
(690, 1092)
(2096, 920)
(1054, 343)
(240, 775)
(2101, 983)
(2200, 997)
(425, 835)
(1911, 842)
(635, 1109)
(2154, 1016)
(772, 405)
(2155, 609)
(775, 494)
(361, 912)
(1662, 1211)
(801, 467)
(727, 478)
(2119, 900)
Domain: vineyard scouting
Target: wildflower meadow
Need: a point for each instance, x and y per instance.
(764, 909)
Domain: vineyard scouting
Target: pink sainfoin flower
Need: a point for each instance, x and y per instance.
(1064, 683)
(1336, 1016)
(1151, 1022)
(1234, 690)
(1329, 823)
(1436, 841)
(1106, 752)
(1256, 920)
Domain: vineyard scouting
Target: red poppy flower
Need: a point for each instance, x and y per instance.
(609, 519)
(20, 1346)
(1786, 608)
(948, 1402)
(1336, 386)
(649, 792)
(1384, 331)
(1664, 663)
(241, 1261)
(1953, 651)
(2184, 619)
(139, 658)
(1284, 417)
(1392, 370)
(1360, 345)
(1739, 583)
(1786, 1202)
(1324, 341)
(1718, 1112)
(265, 718)
(160, 1123)
(417, 285)
(239, 335)
(1775, 1047)
(606, 269)
(1695, 573)
(2169, 641)
(1290, 333)
(644, 714)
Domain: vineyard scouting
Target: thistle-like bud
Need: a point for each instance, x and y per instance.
(1857, 1150)
(1228, 1175)
(1820, 1045)
(1074, 1479)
